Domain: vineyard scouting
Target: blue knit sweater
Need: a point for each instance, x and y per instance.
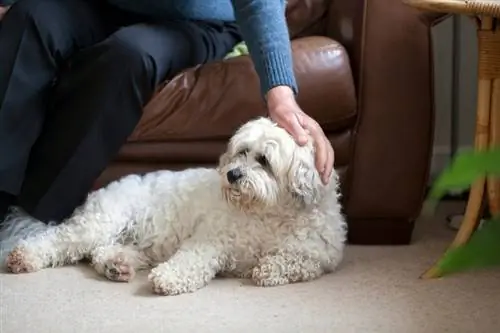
(261, 22)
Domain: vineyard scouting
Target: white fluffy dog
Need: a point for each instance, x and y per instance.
(262, 214)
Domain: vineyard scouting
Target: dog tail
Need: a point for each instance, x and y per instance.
(17, 226)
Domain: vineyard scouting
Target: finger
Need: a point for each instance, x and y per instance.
(295, 129)
(321, 149)
(329, 162)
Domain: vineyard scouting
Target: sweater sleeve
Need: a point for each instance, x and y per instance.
(263, 26)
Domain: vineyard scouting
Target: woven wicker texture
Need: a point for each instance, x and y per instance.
(469, 7)
(489, 54)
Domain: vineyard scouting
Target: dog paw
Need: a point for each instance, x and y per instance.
(20, 260)
(118, 269)
(268, 275)
(164, 284)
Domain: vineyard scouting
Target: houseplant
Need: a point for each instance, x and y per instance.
(483, 248)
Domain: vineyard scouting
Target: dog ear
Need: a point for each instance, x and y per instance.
(305, 183)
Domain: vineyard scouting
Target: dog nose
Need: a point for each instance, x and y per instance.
(233, 175)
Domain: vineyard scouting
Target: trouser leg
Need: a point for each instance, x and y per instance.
(35, 39)
(99, 101)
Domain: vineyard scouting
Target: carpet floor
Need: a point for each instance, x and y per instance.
(376, 290)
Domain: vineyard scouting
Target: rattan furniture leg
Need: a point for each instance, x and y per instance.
(487, 130)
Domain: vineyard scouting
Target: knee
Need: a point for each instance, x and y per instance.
(50, 22)
(42, 13)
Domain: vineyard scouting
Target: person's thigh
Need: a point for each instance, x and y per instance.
(62, 26)
(171, 47)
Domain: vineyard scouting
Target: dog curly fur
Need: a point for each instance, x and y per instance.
(263, 214)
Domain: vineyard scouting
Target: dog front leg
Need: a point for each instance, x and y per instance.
(189, 269)
(286, 266)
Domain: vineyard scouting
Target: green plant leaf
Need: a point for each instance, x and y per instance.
(482, 251)
(465, 169)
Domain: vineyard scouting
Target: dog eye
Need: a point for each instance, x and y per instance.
(243, 152)
(262, 160)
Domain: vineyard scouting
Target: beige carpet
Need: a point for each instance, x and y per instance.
(376, 290)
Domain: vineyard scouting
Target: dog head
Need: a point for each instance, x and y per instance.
(264, 167)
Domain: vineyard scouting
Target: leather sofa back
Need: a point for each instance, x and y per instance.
(307, 17)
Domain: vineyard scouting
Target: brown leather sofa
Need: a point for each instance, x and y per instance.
(364, 73)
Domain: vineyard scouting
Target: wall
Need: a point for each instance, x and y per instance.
(466, 101)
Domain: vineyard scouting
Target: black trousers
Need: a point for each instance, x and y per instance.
(74, 77)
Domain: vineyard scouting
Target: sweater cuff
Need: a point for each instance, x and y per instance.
(277, 70)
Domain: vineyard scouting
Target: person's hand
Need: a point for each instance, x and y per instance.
(3, 10)
(284, 110)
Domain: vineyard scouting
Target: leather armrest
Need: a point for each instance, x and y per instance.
(390, 51)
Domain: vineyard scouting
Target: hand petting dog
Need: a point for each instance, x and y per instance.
(284, 110)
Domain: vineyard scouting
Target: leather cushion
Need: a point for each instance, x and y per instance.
(210, 101)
